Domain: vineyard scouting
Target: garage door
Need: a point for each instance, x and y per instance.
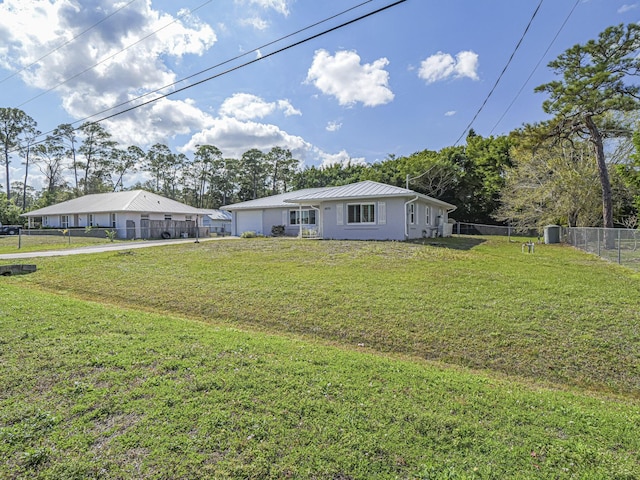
(249, 221)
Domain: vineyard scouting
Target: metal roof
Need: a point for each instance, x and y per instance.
(219, 215)
(274, 201)
(129, 201)
(363, 190)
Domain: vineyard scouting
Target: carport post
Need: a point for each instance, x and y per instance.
(197, 231)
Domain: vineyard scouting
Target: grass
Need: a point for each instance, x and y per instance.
(558, 315)
(36, 243)
(271, 358)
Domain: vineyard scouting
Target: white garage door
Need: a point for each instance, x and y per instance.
(249, 221)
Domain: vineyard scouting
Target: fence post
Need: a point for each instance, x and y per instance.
(619, 257)
(599, 242)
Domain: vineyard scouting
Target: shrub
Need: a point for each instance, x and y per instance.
(277, 230)
(111, 234)
(249, 234)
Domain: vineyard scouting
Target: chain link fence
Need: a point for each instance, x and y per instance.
(461, 228)
(620, 245)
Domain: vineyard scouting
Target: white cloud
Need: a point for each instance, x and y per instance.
(343, 77)
(333, 126)
(245, 106)
(340, 158)
(280, 6)
(126, 68)
(287, 108)
(234, 137)
(627, 8)
(450, 113)
(255, 22)
(442, 66)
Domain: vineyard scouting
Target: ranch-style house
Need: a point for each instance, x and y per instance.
(360, 211)
(133, 214)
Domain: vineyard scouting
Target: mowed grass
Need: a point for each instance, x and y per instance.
(97, 391)
(558, 315)
(37, 243)
(278, 358)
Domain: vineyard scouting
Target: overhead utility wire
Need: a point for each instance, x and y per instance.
(295, 44)
(244, 64)
(537, 65)
(237, 57)
(64, 44)
(501, 74)
(111, 56)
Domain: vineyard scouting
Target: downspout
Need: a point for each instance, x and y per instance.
(406, 219)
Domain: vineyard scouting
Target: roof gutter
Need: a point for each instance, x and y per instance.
(406, 220)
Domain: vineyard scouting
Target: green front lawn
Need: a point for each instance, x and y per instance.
(269, 358)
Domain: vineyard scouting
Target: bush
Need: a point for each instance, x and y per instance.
(277, 230)
(249, 234)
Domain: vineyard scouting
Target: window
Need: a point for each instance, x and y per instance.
(45, 221)
(64, 221)
(361, 213)
(113, 220)
(90, 220)
(411, 213)
(189, 218)
(304, 217)
(167, 216)
(427, 215)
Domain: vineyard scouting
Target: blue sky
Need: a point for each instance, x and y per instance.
(407, 79)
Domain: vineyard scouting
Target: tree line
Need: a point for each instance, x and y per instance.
(580, 168)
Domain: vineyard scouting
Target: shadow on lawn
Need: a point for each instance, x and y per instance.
(454, 243)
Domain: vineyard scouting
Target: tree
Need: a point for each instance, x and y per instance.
(124, 162)
(67, 134)
(253, 174)
(25, 152)
(282, 168)
(9, 211)
(96, 153)
(49, 157)
(14, 126)
(595, 85)
(557, 182)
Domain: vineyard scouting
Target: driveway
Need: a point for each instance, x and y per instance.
(104, 248)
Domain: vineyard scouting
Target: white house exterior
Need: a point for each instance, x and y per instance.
(133, 214)
(361, 211)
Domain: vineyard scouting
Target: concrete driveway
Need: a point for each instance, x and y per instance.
(105, 248)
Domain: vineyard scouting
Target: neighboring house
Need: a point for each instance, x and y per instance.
(217, 221)
(360, 211)
(133, 214)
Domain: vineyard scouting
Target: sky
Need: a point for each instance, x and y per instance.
(243, 74)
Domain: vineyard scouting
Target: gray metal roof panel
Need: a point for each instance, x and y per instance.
(274, 201)
(364, 190)
(128, 201)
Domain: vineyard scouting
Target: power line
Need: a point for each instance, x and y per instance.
(537, 65)
(295, 44)
(287, 47)
(111, 56)
(237, 57)
(64, 44)
(501, 73)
